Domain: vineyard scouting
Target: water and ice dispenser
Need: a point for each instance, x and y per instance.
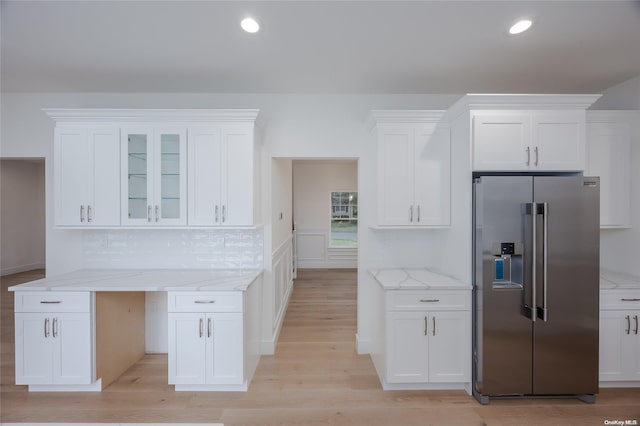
(507, 267)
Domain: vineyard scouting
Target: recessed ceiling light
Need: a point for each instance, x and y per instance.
(520, 26)
(250, 25)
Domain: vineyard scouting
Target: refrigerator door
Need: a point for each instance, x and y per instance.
(502, 331)
(565, 359)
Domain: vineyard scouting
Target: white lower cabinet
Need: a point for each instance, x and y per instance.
(211, 342)
(55, 347)
(205, 348)
(620, 338)
(427, 340)
(428, 347)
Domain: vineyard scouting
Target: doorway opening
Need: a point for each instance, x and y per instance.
(22, 215)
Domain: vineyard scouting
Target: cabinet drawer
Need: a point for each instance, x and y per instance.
(52, 301)
(408, 300)
(620, 299)
(205, 301)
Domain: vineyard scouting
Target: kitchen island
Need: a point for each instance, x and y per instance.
(80, 331)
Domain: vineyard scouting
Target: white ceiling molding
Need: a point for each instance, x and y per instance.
(99, 115)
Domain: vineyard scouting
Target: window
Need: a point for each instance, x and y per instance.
(344, 219)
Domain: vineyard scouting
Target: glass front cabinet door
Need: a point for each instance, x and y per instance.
(154, 188)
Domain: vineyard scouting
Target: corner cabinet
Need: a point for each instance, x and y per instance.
(620, 338)
(609, 148)
(156, 168)
(414, 168)
(87, 175)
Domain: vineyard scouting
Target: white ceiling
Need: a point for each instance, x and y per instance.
(318, 46)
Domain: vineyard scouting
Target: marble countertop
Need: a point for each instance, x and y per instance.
(611, 280)
(416, 279)
(145, 280)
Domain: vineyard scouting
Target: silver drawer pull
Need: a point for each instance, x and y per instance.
(51, 301)
(429, 300)
(630, 300)
(204, 301)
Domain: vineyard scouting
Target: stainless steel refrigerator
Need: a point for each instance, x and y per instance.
(536, 286)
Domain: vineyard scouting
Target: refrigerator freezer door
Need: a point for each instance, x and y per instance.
(565, 359)
(502, 332)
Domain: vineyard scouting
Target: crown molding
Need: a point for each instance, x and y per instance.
(513, 101)
(389, 116)
(102, 115)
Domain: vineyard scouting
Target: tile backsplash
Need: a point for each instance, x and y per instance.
(173, 249)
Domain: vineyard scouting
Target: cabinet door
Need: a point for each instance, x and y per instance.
(501, 142)
(72, 170)
(396, 176)
(432, 156)
(558, 141)
(72, 348)
(187, 343)
(609, 157)
(632, 352)
(613, 336)
(170, 177)
(204, 175)
(34, 349)
(224, 349)
(104, 207)
(137, 176)
(449, 347)
(237, 176)
(407, 347)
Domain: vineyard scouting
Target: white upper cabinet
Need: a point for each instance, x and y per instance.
(528, 140)
(154, 181)
(414, 169)
(221, 175)
(87, 175)
(609, 135)
(156, 168)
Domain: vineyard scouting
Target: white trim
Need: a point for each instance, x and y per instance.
(387, 116)
(93, 387)
(363, 346)
(426, 386)
(620, 384)
(280, 250)
(93, 115)
(22, 268)
(226, 388)
(506, 101)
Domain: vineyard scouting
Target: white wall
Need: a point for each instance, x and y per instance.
(313, 182)
(22, 215)
(619, 248)
(625, 95)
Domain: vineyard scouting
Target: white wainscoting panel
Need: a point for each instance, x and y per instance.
(313, 251)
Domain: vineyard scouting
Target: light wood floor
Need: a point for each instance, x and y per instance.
(315, 378)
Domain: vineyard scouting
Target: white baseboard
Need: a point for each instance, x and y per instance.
(23, 268)
(327, 264)
(268, 346)
(363, 346)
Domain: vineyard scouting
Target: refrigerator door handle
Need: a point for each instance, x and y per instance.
(528, 307)
(542, 311)
(534, 261)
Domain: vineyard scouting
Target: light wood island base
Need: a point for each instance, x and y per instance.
(119, 333)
